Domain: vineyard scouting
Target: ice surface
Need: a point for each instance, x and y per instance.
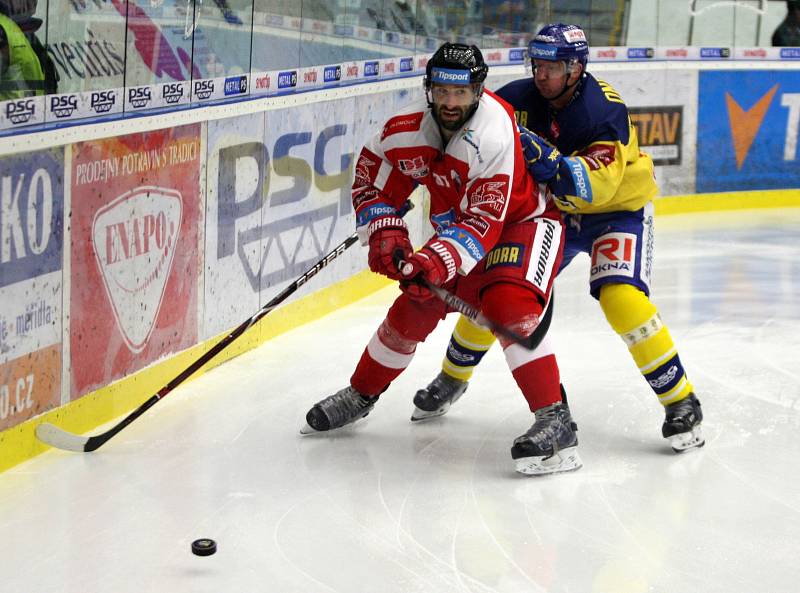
(390, 506)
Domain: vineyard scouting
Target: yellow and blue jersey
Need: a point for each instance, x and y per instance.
(603, 169)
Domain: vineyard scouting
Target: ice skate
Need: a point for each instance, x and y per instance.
(435, 399)
(340, 409)
(550, 445)
(682, 425)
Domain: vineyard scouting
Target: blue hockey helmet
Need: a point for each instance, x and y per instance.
(559, 42)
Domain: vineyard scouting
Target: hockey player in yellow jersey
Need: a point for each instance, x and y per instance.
(579, 140)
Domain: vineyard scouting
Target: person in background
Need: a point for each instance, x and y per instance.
(497, 245)
(788, 32)
(605, 190)
(26, 69)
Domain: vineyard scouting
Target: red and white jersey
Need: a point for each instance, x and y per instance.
(478, 182)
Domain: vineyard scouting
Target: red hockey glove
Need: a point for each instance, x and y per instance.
(437, 262)
(387, 235)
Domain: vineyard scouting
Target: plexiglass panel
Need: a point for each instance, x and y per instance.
(221, 37)
(86, 42)
(74, 46)
(276, 34)
(159, 43)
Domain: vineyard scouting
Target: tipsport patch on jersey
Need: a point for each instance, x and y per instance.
(614, 255)
(507, 254)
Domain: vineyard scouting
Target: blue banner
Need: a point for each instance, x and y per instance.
(747, 130)
(31, 215)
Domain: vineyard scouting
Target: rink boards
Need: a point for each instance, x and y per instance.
(124, 256)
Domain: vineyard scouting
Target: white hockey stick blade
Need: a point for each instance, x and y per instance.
(60, 439)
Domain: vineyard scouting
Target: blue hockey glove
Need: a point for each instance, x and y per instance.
(542, 158)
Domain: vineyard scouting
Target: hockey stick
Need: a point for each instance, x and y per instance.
(530, 342)
(61, 439)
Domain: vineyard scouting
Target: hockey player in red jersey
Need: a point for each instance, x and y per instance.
(497, 244)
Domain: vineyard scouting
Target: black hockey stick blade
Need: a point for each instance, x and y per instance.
(61, 439)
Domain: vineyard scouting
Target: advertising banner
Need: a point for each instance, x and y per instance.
(238, 174)
(281, 201)
(660, 132)
(662, 104)
(749, 130)
(31, 256)
(135, 261)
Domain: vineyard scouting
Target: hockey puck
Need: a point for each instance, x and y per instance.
(204, 547)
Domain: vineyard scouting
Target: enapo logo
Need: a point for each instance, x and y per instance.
(134, 239)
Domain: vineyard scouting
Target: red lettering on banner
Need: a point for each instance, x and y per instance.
(607, 53)
(127, 240)
(310, 76)
(677, 53)
(388, 67)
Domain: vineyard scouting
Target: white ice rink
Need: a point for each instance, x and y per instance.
(390, 506)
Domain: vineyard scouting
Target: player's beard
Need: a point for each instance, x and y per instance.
(452, 123)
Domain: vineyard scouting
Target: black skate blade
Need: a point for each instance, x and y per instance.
(308, 431)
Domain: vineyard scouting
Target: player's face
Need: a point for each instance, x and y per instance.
(550, 77)
(452, 103)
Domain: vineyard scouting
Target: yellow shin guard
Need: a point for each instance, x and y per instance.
(468, 344)
(636, 320)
